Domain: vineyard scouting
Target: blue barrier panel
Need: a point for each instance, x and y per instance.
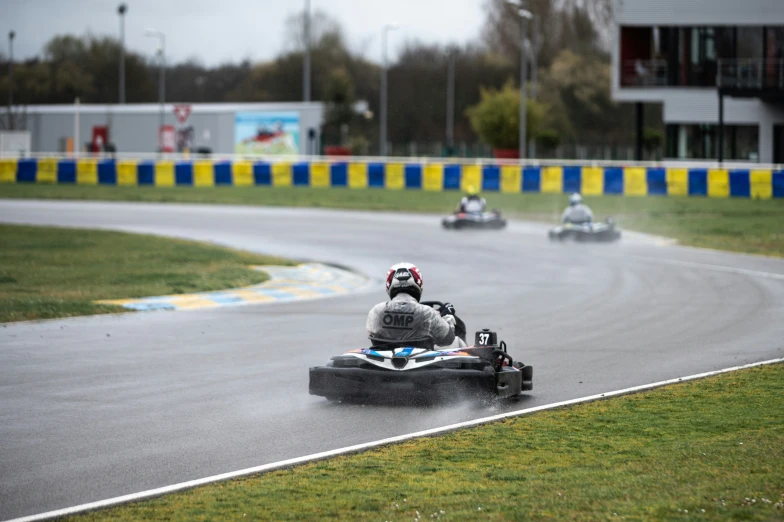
(338, 175)
(613, 180)
(778, 184)
(572, 179)
(66, 171)
(657, 182)
(698, 182)
(146, 173)
(262, 174)
(222, 172)
(300, 174)
(413, 175)
(451, 177)
(107, 172)
(26, 170)
(740, 184)
(183, 173)
(376, 175)
(532, 179)
(491, 178)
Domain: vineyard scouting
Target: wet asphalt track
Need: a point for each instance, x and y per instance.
(97, 407)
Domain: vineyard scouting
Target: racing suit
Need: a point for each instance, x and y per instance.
(404, 318)
(577, 214)
(472, 204)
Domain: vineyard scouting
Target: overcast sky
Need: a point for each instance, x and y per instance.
(216, 31)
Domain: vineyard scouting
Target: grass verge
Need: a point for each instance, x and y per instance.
(740, 225)
(56, 272)
(704, 450)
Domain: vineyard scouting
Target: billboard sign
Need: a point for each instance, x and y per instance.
(266, 133)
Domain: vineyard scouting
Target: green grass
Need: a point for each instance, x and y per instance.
(55, 272)
(666, 454)
(741, 225)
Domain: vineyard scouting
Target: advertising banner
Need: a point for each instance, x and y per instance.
(266, 133)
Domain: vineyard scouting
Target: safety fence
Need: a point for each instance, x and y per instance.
(747, 182)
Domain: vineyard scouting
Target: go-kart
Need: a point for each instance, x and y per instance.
(601, 231)
(414, 368)
(481, 220)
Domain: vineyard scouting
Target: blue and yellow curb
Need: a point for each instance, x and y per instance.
(286, 283)
(763, 182)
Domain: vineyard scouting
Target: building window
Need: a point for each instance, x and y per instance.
(700, 141)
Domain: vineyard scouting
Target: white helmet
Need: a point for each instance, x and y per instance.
(404, 277)
(575, 199)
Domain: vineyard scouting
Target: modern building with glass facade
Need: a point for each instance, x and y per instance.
(714, 65)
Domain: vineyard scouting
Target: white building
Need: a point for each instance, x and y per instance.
(683, 53)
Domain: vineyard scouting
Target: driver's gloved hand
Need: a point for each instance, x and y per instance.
(450, 319)
(448, 309)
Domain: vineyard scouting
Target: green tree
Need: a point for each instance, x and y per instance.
(496, 118)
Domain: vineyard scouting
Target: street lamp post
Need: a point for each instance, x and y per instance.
(383, 130)
(121, 11)
(450, 102)
(524, 17)
(162, 77)
(306, 65)
(11, 36)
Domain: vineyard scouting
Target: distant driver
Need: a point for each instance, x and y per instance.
(472, 203)
(403, 318)
(577, 213)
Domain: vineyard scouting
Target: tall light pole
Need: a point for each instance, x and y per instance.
(450, 101)
(524, 17)
(121, 11)
(306, 64)
(11, 36)
(162, 77)
(383, 130)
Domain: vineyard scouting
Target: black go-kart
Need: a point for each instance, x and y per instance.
(599, 232)
(415, 369)
(476, 220)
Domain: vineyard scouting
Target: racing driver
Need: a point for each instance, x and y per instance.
(472, 203)
(403, 318)
(576, 213)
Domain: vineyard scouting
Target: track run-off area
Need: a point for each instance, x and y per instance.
(99, 407)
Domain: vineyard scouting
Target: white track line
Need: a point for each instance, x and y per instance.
(361, 447)
(708, 266)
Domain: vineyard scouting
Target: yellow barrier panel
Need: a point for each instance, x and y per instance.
(86, 172)
(511, 179)
(677, 182)
(761, 184)
(552, 180)
(242, 173)
(433, 177)
(203, 174)
(470, 176)
(7, 171)
(394, 178)
(47, 171)
(635, 181)
(357, 175)
(281, 174)
(319, 175)
(127, 173)
(718, 183)
(164, 174)
(592, 181)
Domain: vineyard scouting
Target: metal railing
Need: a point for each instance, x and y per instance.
(750, 73)
(539, 162)
(644, 73)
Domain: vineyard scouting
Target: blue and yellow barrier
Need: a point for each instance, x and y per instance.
(763, 183)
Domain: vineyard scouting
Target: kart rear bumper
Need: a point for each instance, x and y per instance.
(338, 383)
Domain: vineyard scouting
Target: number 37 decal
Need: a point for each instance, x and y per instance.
(483, 338)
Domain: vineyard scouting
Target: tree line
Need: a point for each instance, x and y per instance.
(569, 39)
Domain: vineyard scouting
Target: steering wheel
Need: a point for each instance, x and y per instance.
(438, 306)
